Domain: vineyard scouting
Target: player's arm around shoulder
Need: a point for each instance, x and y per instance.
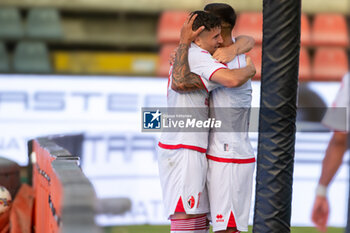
(243, 44)
(235, 77)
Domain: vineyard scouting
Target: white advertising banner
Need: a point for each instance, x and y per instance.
(119, 159)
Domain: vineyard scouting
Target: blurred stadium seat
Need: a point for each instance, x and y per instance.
(305, 35)
(304, 65)
(251, 24)
(44, 24)
(169, 26)
(329, 29)
(10, 23)
(330, 64)
(163, 64)
(105, 63)
(4, 59)
(31, 57)
(110, 31)
(256, 55)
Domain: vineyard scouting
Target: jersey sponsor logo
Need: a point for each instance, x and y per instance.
(152, 119)
(191, 201)
(219, 218)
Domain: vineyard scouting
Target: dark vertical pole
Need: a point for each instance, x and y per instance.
(347, 229)
(279, 82)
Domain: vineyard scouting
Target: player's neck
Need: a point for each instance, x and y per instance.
(227, 41)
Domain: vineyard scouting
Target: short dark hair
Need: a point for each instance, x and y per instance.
(208, 20)
(224, 11)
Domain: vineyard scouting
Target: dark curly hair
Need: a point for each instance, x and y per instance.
(224, 11)
(208, 20)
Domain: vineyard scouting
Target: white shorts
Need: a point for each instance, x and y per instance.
(230, 190)
(182, 175)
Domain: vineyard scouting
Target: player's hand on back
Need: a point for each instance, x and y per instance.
(225, 54)
(250, 65)
(187, 34)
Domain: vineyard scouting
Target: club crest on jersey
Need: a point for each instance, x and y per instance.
(152, 119)
(191, 201)
(219, 218)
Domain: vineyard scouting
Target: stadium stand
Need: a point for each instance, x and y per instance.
(169, 26)
(31, 57)
(249, 23)
(330, 64)
(256, 55)
(105, 63)
(44, 24)
(10, 23)
(4, 59)
(126, 28)
(163, 65)
(305, 34)
(330, 29)
(304, 65)
(115, 32)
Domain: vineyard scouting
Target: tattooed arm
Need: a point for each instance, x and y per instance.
(182, 78)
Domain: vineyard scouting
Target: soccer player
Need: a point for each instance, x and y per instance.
(182, 161)
(335, 120)
(230, 155)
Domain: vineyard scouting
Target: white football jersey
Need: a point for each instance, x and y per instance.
(203, 64)
(232, 107)
(337, 117)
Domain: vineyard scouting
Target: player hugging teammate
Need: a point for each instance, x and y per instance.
(198, 168)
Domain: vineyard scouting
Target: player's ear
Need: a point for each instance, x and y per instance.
(198, 41)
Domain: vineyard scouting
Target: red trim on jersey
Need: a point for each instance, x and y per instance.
(215, 71)
(179, 207)
(179, 146)
(231, 221)
(200, 77)
(204, 51)
(226, 160)
(239, 64)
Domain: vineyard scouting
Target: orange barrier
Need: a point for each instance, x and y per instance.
(60, 205)
(42, 183)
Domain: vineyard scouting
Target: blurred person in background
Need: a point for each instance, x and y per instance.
(184, 192)
(231, 159)
(336, 120)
